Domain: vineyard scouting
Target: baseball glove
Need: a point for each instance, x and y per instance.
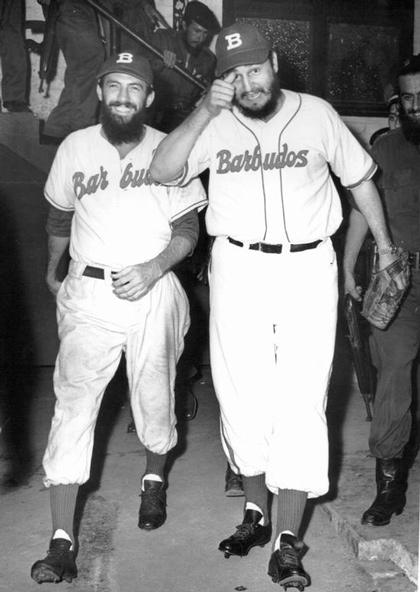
(382, 297)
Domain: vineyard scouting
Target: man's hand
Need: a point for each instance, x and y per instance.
(53, 285)
(220, 95)
(350, 286)
(132, 283)
(154, 15)
(169, 58)
(383, 295)
(401, 279)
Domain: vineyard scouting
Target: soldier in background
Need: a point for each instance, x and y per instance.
(77, 28)
(14, 59)
(175, 95)
(393, 441)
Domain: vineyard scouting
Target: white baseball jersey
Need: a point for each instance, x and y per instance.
(276, 174)
(121, 217)
(272, 343)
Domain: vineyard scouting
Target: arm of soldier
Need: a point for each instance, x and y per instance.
(369, 203)
(356, 234)
(172, 153)
(58, 230)
(169, 58)
(153, 14)
(133, 282)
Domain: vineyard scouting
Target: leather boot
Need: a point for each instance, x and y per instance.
(391, 482)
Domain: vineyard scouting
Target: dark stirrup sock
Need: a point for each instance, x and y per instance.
(256, 492)
(155, 463)
(290, 507)
(63, 504)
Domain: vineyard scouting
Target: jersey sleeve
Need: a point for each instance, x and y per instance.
(185, 198)
(59, 189)
(348, 159)
(198, 160)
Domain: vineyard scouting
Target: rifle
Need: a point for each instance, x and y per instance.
(360, 350)
(49, 48)
(154, 50)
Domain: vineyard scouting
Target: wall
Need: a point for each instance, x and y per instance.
(42, 104)
(416, 44)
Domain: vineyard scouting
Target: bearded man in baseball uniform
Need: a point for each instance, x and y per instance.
(125, 233)
(273, 277)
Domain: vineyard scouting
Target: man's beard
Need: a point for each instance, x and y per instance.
(194, 51)
(270, 106)
(119, 130)
(410, 129)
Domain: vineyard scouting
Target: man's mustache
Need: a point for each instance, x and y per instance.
(126, 104)
(251, 92)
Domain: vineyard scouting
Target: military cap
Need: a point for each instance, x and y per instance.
(202, 15)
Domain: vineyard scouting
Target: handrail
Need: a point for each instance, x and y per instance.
(179, 69)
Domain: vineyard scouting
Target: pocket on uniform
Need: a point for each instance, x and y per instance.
(400, 194)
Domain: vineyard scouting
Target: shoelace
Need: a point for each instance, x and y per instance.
(243, 531)
(289, 556)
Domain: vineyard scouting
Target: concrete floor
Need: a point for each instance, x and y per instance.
(115, 556)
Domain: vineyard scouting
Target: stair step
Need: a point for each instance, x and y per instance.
(20, 133)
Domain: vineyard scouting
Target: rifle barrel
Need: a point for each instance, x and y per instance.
(179, 69)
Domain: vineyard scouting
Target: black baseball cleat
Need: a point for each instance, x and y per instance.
(131, 428)
(152, 513)
(285, 567)
(186, 404)
(58, 565)
(248, 534)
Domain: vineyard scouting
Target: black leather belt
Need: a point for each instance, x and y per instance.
(414, 260)
(267, 248)
(94, 272)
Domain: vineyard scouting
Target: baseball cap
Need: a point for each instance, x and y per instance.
(202, 15)
(128, 63)
(239, 45)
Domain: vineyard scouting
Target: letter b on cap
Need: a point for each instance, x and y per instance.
(125, 58)
(233, 41)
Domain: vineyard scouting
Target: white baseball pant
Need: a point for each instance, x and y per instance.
(94, 328)
(272, 334)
